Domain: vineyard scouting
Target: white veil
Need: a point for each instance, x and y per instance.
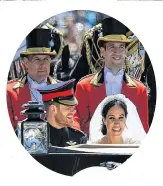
(134, 127)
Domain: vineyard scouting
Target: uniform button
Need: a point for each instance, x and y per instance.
(15, 118)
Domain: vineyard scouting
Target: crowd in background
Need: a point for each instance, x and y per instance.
(73, 25)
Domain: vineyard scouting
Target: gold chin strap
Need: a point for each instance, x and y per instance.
(37, 49)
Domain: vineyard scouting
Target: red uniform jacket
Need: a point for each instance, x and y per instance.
(90, 91)
(18, 93)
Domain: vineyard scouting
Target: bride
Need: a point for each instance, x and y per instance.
(116, 121)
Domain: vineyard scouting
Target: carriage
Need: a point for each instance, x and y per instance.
(66, 66)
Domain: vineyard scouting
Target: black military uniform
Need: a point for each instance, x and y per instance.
(63, 94)
(66, 136)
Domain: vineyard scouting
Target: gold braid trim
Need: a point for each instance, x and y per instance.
(129, 33)
(132, 47)
(89, 35)
(133, 51)
(88, 55)
(127, 65)
(38, 49)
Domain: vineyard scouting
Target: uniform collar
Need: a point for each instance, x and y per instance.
(98, 79)
(23, 80)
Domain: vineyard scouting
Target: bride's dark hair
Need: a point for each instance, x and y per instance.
(107, 106)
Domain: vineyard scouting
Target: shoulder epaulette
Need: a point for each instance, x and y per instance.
(20, 82)
(12, 81)
(89, 75)
(132, 77)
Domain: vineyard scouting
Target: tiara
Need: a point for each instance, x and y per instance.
(108, 99)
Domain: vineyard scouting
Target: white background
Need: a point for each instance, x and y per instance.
(17, 167)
